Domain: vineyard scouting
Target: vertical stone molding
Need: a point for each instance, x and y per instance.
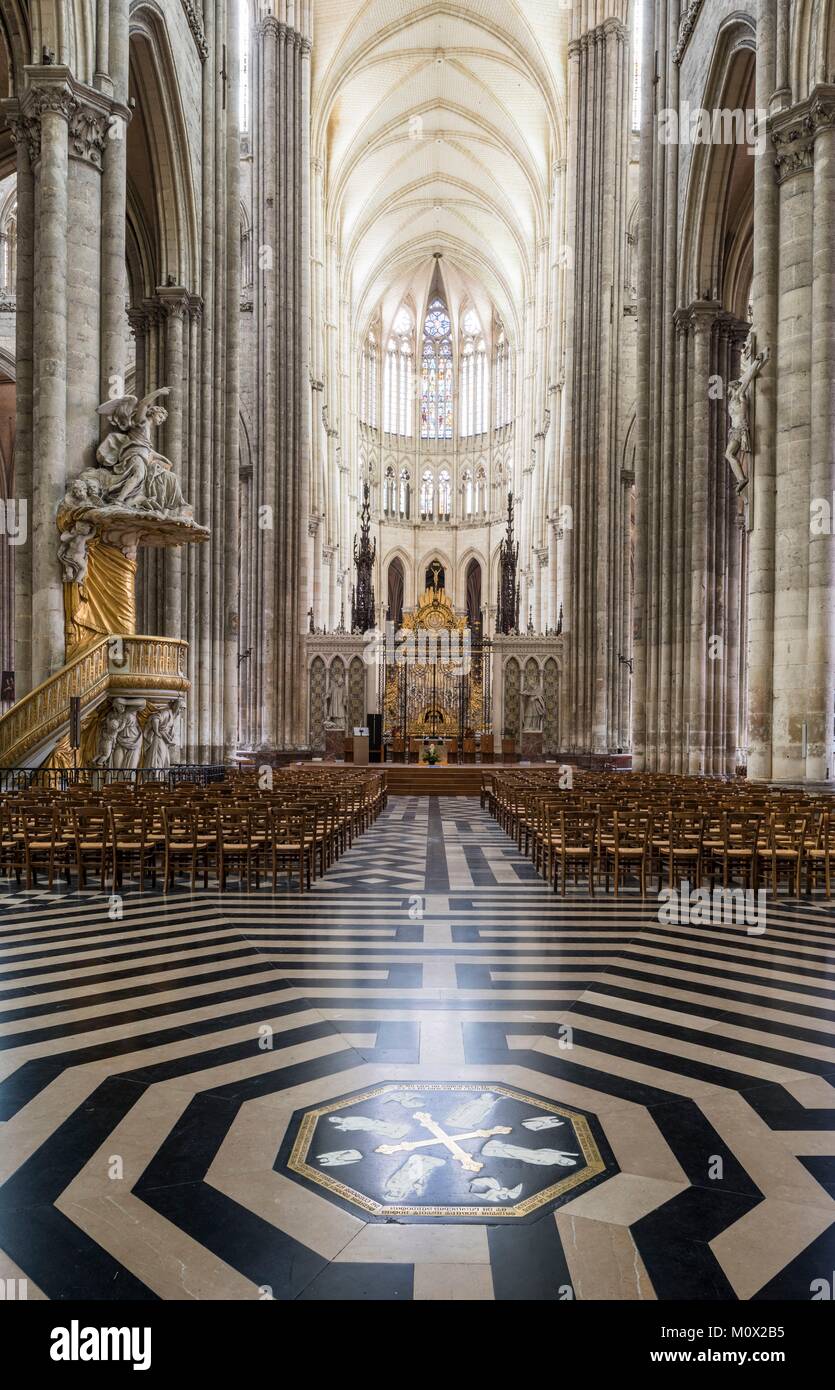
(599, 107)
(281, 98)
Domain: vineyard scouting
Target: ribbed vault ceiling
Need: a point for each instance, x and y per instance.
(437, 124)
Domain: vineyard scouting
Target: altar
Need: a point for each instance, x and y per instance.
(437, 677)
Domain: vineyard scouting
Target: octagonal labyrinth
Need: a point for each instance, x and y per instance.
(434, 1151)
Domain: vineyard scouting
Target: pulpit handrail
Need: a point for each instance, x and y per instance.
(45, 709)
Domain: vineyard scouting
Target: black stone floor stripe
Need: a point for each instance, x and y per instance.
(685, 1066)
(136, 972)
(665, 956)
(354, 1282)
(437, 873)
(712, 1039)
(528, 1264)
(64, 1262)
(673, 1244)
(181, 938)
(232, 939)
(712, 991)
(610, 986)
(103, 926)
(159, 1010)
(810, 1275)
(683, 974)
(702, 1009)
(135, 991)
(33, 1076)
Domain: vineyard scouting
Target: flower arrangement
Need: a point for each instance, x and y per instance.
(432, 755)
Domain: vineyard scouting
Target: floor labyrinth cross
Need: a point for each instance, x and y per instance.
(450, 1141)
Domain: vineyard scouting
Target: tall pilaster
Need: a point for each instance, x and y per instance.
(49, 104)
(282, 224)
(599, 96)
(821, 651)
(761, 541)
(794, 146)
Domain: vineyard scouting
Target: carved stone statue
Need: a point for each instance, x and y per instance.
(127, 748)
(739, 434)
(108, 732)
(533, 713)
(130, 499)
(335, 701)
(132, 473)
(159, 735)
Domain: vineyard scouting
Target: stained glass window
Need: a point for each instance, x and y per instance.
(436, 374)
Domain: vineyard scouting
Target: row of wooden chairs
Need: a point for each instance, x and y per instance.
(687, 829)
(298, 827)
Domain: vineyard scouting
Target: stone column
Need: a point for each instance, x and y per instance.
(25, 134)
(794, 146)
(763, 486)
(50, 105)
(175, 303)
(599, 93)
(113, 204)
(234, 560)
(821, 650)
(702, 319)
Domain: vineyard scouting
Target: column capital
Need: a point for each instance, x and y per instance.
(270, 25)
(794, 129)
(175, 301)
(89, 113)
(702, 314)
(138, 320)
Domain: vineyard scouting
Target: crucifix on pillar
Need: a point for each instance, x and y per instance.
(740, 445)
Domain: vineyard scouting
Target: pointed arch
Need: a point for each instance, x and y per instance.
(161, 198)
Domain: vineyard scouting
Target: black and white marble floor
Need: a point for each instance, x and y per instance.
(429, 1078)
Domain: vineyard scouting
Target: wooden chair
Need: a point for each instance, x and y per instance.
(293, 840)
(573, 840)
(740, 846)
(91, 838)
(487, 751)
(132, 839)
(234, 843)
(682, 845)
(182, 841)
(42, 844)
(628, 848)
(821, 853)
(784, 848)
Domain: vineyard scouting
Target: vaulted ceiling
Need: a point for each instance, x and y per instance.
(438, 124)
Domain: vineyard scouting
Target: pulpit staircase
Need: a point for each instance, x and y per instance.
(153, 667)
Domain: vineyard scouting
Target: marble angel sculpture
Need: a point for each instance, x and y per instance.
(132, 474)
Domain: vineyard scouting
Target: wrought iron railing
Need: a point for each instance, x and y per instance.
(15, 779)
